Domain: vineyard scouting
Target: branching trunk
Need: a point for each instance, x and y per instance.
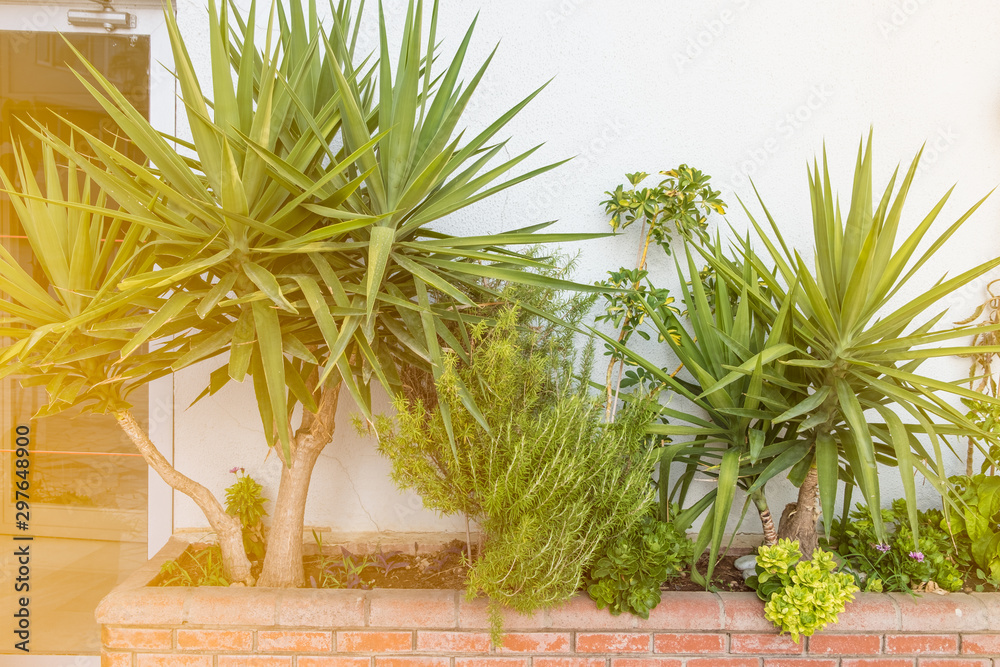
(283, 561)
(798, 521)
(235, 564)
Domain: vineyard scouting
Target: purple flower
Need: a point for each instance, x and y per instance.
(882, 547)
(236, 468)
(917, 556)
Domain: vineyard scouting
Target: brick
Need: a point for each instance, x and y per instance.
(412, 608)
(957, 612)
(868, 612)
(453, 642)
(689, 643)
(723, 662)
(760, 644)
(290, 640)
(991, 603)
(800, 662)
(215, 640)
(535, 642)
(233, 607)
(428, 661)
(877, 662)
(581, 612)
(953, 662)
(491, 662)
(172, 660)
(981, 644)
(255, 661)
(646, 662)
(141, 638)
(115, 659)
(744, 612)
(375, 642)
(845, 644)
(474, 615)
(318, 608)
(612, 642)
(568, 662)
(685, 611)
(144, 606)
(331, 661)
(913, 644)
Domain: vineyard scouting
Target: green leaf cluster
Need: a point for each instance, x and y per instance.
(201, 568)
(977, 522)
(547, 482)
(802, 596)
(900, 562)
(245, 499)
(629, 571)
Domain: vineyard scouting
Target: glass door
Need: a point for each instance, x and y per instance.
(87, 479)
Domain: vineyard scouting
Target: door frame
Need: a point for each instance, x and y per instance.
(33, 16)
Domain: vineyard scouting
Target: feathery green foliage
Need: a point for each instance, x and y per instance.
(548, 484)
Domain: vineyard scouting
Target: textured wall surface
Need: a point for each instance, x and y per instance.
(738, 88)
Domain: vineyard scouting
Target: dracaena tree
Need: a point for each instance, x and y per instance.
(293, 231)
(859, 345)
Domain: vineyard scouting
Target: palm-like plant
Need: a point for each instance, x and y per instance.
(312, 266)
(732, 376)
(858, 349)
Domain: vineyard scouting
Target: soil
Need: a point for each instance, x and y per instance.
(445, 569)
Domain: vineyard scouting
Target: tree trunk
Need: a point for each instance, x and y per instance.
(282, 566)
(798, 521)
(228, 529)
(760, 502)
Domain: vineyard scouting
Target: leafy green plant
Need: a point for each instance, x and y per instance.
(206, 565)
(629, 571)
(898, 562)
(293, 233)
(858, 347)
(730, 373)
(802, 596)
(977, 520)
(245, 499)
(680, 203)
(547, 483)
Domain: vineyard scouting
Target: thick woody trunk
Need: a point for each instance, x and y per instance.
(798, 521)
(283, 561)
(766, 521)
(282, 566)
(235, 564)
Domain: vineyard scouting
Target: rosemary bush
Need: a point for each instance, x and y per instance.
(548, 482)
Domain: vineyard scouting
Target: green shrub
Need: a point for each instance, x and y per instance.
(245, 499)
(547, 482)
(629, 570)
(977, 523)
(802, 596)
(898, 564)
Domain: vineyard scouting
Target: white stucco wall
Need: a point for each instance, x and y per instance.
(736, 88)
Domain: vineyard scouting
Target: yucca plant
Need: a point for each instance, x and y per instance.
(312, 265)
(730, 373)
(858, 347)
(66, 329)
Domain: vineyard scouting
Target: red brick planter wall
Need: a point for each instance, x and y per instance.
(147, 627)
